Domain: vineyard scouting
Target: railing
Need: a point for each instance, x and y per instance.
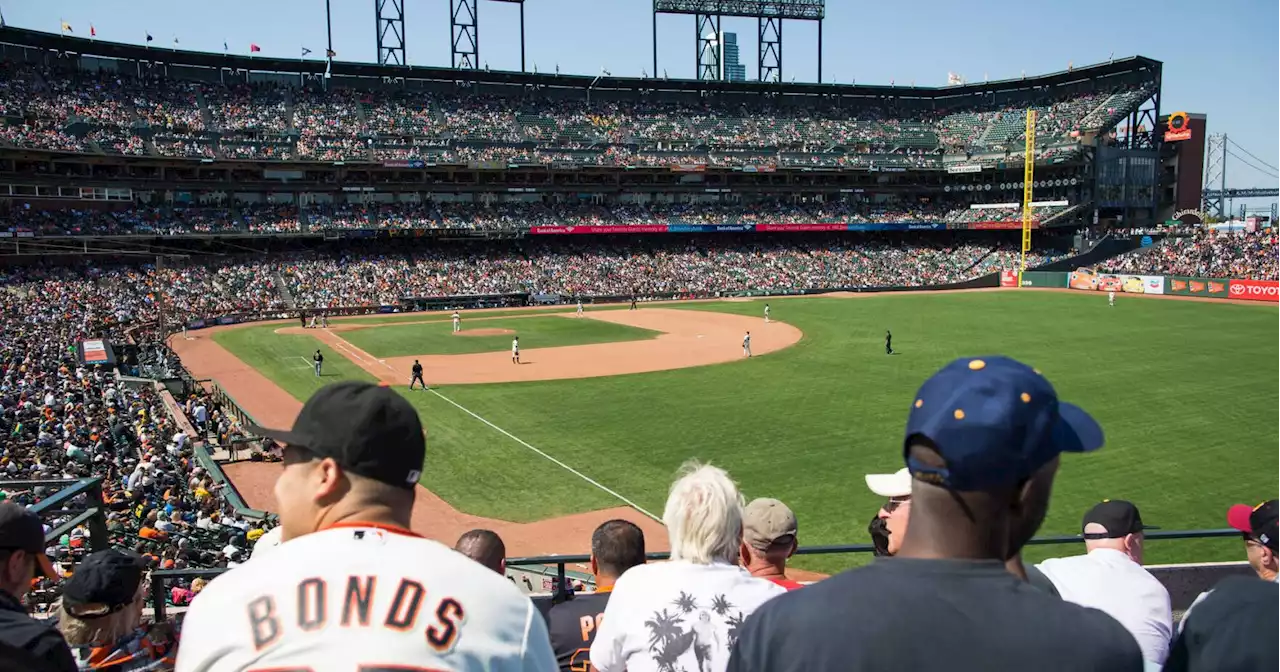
(95, 514)
(160, 578)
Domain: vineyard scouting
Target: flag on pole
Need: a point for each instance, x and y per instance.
(149, 38)
(175, 40)
(330, 53)
(253, 48)
(225, 48)
(66, 27)
(305, 51)
(93, 32)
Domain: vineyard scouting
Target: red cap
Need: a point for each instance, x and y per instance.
(1238, 517)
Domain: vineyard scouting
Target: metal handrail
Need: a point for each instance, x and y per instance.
(159, 578)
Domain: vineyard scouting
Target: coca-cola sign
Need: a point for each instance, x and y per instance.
(1255, 290)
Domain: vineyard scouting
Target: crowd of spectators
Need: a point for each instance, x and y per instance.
(703, 264)
(1205, 254)
(63, 419)
(269, 218)
(678, 265)
(270, 122)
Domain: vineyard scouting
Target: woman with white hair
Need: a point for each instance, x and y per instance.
(100, 615)
(685, 614)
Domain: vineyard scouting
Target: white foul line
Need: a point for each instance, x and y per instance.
(558, 463)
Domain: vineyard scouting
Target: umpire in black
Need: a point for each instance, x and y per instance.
(417, 376)
(25, 643)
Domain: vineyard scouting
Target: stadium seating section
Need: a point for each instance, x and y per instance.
(114, 113)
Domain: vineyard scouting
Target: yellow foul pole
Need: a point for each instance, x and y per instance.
(1028, 176)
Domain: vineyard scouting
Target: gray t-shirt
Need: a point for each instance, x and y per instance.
(920, 615)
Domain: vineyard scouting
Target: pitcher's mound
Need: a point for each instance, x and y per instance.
(483, 332)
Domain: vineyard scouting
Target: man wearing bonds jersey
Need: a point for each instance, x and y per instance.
(351, 587)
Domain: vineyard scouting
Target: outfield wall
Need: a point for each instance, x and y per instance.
(1087, 280)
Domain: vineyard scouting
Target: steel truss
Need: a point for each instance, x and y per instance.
(389, 18)
(464, 33)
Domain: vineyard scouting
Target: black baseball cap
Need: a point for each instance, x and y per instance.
(103, 583)
(21, 530)
(1259, 522)
(995, 421)
(1118, 517)
(367, 429)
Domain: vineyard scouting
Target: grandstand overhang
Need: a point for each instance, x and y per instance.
(13, 40)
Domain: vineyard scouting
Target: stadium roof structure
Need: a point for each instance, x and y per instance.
(22, 38)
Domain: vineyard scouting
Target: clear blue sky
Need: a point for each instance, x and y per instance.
(1219, 58)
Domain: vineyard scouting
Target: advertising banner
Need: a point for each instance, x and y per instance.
(709, 228)
(1008, 278)
(802, 227)
(1255, 290)
(998, 225)
(542, 230)
(955, 169)
(196, 324)
(689, 168)
(1184, 286)
(1085, 279)
(95, 352)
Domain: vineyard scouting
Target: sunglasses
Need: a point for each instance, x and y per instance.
(894, 502)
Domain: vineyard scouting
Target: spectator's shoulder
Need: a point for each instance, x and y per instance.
(1111, 646)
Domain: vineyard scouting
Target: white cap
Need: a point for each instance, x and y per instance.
(897, 484)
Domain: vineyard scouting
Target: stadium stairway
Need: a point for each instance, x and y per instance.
(282, 289)
(205, 114)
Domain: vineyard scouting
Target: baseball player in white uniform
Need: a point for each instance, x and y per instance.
(579, 307)
(746, 345)
(515, 350)
(350, 587)
(766, 313)
(457, 322)
(1111, 298)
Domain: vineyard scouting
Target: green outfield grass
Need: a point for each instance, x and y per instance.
(437, 337)
(1186, 392)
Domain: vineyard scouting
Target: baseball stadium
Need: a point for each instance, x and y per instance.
(582, 283)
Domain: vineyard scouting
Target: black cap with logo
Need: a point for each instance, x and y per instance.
(21, 530)
(1118, 517)
(369, 430)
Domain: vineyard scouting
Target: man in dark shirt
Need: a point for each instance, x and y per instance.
(616, 546)
(417, 375)
(22, 558)
(982, 444)
(318, 359)
(888, 342)
(1231, 630)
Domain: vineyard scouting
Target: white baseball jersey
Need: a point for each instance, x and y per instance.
(456, 317)
(1111, 295)
(359, 596)
(746, 341)
(515, 347)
